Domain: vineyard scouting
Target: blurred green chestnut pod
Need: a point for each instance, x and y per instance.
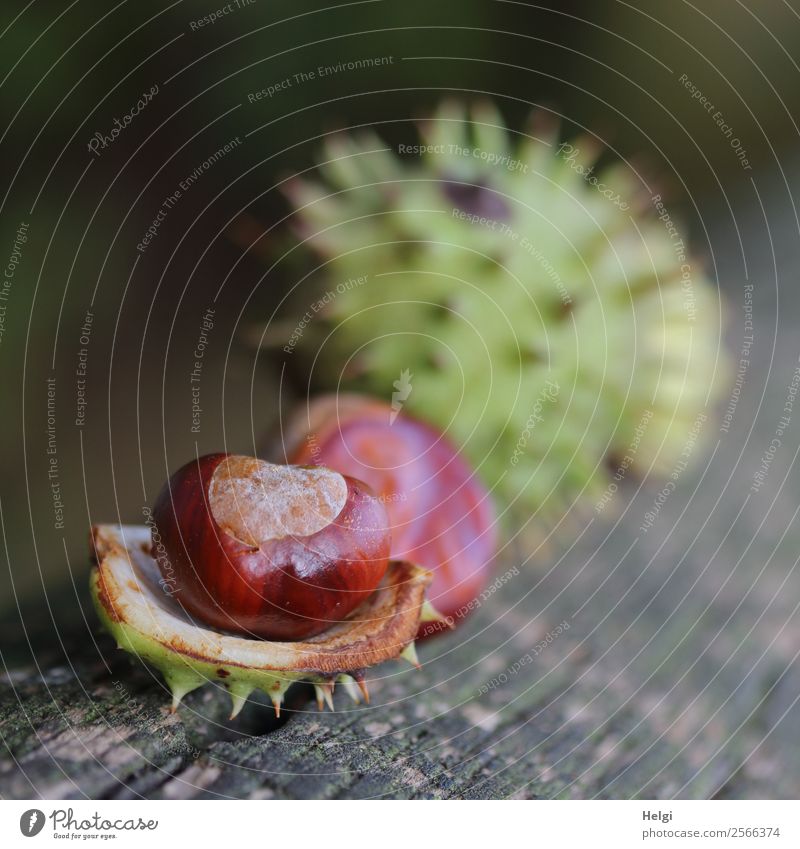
(546, 316)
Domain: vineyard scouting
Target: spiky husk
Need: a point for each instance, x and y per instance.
(565, 332)
(150, 625)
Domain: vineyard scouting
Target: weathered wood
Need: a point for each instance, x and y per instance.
(648, 704)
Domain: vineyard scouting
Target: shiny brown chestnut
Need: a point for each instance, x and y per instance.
(271, 551)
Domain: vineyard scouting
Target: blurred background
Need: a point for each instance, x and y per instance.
(84, 303)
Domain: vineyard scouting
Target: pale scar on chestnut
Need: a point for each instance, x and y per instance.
(256, 501)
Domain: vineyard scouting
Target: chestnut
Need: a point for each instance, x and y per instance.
(271, 551)
(441, 515)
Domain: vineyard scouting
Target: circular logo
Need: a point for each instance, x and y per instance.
(31, 822)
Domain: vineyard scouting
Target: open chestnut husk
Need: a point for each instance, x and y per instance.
(140, 612)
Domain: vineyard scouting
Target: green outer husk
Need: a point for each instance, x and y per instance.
(551, 342)
(184, 673)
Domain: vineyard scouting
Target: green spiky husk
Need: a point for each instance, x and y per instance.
(184, 673)
(577, 286)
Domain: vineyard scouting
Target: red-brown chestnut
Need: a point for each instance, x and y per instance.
(442, 517)
(278, 552)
